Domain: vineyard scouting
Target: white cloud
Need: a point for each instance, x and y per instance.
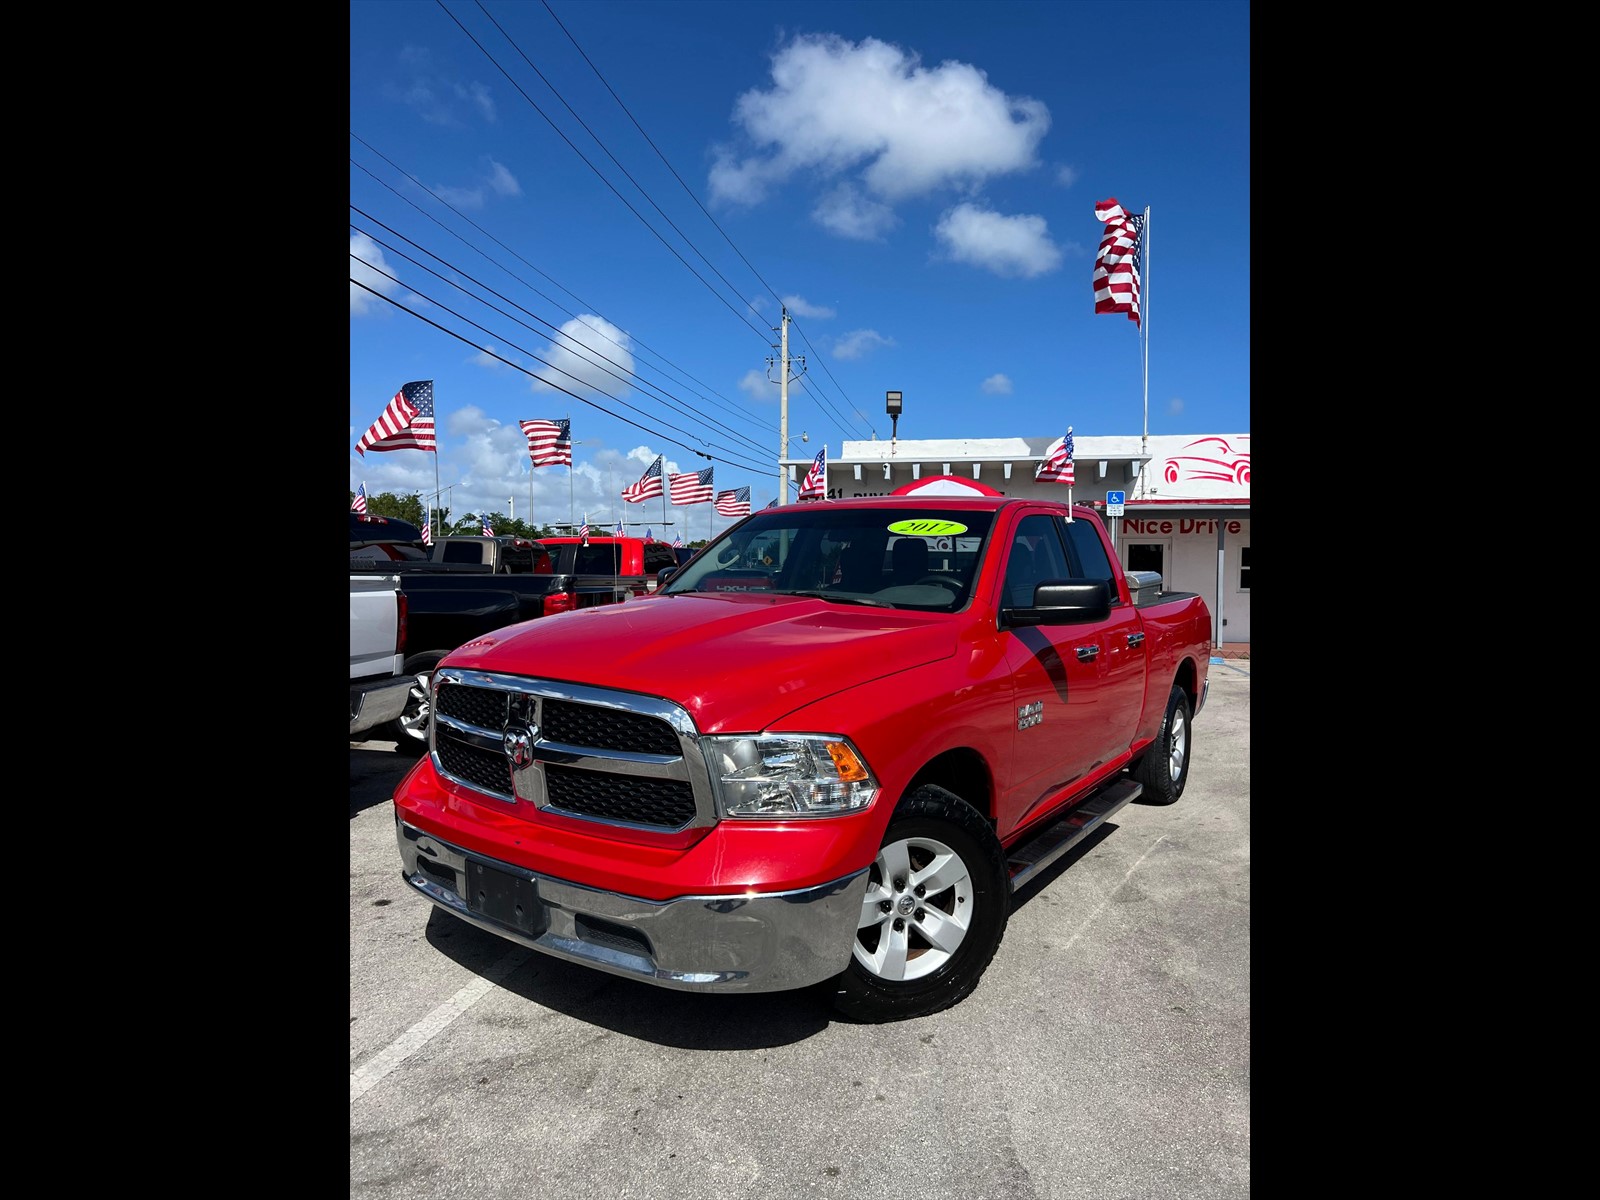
(1014, 246)
(757, 386)
(592, 353)
(800, 307)
(459, 197)
(872, 109)
(1067, 176)
(997, 385)
(503, 181)
(477, 94)
(435, 98)
(495, 361)
(1175, 406)
(366, 260)
(845, 211)
(860, 342)
(496, 179)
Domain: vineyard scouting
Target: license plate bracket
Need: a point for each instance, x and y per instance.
(507, 899)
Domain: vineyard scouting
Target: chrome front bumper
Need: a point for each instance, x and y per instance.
(759, 942)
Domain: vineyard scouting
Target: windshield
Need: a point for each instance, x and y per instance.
(897, 558)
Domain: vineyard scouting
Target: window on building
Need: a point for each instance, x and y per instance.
(1244, 568)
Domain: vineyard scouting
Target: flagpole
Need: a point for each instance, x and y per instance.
(1144, 330)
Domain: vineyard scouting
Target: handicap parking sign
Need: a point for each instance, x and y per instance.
(1114, 503)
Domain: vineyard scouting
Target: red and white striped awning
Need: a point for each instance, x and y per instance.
(945, 485)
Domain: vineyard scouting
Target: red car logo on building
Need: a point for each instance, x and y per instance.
(1220, 461)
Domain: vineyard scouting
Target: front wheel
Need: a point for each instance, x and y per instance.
(410, 729)
(935, 909)
(1164, 768)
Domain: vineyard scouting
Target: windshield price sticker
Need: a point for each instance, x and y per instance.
(927, 528)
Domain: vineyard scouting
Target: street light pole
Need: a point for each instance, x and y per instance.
(783, 409)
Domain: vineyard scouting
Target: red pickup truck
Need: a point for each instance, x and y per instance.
(832, 769)
(634, 561)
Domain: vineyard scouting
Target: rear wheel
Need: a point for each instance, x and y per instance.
(1164, 769)
(410, 729)
(933, 915)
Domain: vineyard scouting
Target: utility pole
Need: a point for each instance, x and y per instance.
(783, 405)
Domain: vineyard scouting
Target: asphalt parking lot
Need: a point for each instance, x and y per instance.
(1105, 1053)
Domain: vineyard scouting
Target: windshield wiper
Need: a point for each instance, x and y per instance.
(841, 598)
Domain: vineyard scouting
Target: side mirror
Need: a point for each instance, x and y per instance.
(665, 574)
(1063, 602)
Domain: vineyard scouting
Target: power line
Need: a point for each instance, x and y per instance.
(687, 266)
(423, 266)
(532, 375)
(445, 203)
(690, 192)
(664, 395)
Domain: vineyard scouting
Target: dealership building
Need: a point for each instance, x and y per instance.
(1184, 499)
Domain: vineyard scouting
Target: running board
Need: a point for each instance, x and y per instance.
(1037, 853)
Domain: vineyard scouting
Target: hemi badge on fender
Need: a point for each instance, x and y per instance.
(1030, 714)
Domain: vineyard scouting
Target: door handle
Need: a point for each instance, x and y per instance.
(1088, 653)
(1135, 639)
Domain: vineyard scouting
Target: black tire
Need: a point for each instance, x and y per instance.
(1164, 766)
(932, 960)
(410, 729)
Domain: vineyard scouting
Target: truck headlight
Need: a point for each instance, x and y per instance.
(788, 775)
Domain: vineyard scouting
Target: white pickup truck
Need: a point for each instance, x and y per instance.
(378, 687)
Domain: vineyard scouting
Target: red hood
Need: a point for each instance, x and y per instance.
(737, 661)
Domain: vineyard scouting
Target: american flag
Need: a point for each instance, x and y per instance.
(816, 481)
(549, 442)
(407, 424)
(1116, 266)
(359, 504)
(677, 541)
(583, 531)
(773, 503)
(692, 487)
(649, 485)
(427, 529)
(619, 526)
(488, 529)
(648, 536)
(733, 503)
(1057, 465)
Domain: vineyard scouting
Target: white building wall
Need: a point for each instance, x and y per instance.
(1189, 543)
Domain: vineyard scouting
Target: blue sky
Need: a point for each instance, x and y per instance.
(630, 191)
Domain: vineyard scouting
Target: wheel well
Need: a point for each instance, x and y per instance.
(963, 772)
(1188, 680)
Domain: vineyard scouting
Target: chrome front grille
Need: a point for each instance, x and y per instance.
(614, 757)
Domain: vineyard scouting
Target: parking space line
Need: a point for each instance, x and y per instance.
(367, 1076)
(1089, 920)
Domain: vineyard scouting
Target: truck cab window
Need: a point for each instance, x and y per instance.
(1088, 553)
(1035, 553)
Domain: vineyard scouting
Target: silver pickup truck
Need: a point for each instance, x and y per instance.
(378, 687)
